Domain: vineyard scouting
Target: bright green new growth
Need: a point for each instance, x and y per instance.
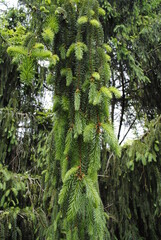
(16, 49)
(95, 23)
(48, 35)
(82, 20)
(67, 72)
(101, 12)
(27, 71)
(96, 75)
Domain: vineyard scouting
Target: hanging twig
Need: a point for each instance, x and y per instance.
(123, 101)
(128, 131)
(104, 176)
(108, 162)
(49, 89)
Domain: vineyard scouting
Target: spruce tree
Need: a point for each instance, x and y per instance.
(81, 118)
(72, 40)
(134, 207)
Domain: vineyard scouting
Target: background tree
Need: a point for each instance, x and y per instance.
(131, 188)
(132, 31)
(23, 129)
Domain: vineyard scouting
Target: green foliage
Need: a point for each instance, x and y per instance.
(89, 132)
(59, 137)
(65, 103)
(42, 54)
(106, 92)
(68, 74)
(115, 91)
(101, 12)
(54, 59)
(48, 35)
(107, 48)
(82, 20)
(78, 125)
(95, 23)
(110, 138)
(68, 141)
(79, 49)
(95, 157)
(77, 100)
(92, 92)
(52, 23)
(23, 130)
(65, 163)
(136, 180)
(96, 76)
(69, 77)
(91, 192)
(17, 50)
(70, 49)
(77, 128)
(27, 71)
(58, 155)
(62, 52)
(98, 98)
(16, 191)
(39, 45)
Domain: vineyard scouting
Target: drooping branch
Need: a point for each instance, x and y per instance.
(130, 127)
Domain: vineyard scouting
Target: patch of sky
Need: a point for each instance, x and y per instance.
(4, 4)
